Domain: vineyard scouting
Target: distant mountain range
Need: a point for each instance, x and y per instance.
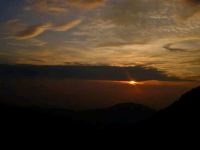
(126, 113)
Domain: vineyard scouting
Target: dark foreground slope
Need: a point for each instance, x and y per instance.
(181, 117)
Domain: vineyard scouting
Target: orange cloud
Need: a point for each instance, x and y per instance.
(36, 30)
(67, 26)
(86, 3)
(33, 31)
(50, 6)
(61, 6)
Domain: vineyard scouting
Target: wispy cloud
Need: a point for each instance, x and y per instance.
(66, 26)
(173, 49)
(88, 4)
(29, 43)
(33, 31)
(36, 30)
(45, 6)
(61, 6)
(183, 45)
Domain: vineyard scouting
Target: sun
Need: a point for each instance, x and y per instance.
(132, 82)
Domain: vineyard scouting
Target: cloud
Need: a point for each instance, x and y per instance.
(66, 26)
(193, 2)
(47, 6)
(183, 45)
(122, 32)
(113, 44)
(33, 31)
(61, 6)
(122, 44)
(88, 4)
(36, 30)
(188, 8)
(37, 60)
(10, 27)
(173, 49)
(29, 43)
(139, 73)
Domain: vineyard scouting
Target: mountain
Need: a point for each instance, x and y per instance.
(116, 115)
(181, 117)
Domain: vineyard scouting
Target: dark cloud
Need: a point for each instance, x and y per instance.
(190, 8)
(37, 60)
(183, 46)
(173, 49)
(139, 73)
(193, 2)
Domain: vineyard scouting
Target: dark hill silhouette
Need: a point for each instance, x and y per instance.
(185, 109)
(127, 113)
(181, 117)
(118, 114)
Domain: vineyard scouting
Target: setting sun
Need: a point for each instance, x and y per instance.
(132, 82)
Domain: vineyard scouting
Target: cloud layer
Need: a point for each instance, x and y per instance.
(139, 73)
(61, 6)
(153, 33)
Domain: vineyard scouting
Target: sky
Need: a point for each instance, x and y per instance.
(160, 37)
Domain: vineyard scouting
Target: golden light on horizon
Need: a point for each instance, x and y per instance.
(133, 82)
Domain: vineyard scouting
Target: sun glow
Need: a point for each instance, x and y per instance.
(132, 82)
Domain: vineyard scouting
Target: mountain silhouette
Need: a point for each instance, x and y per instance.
(185, 109)
(182, 117)
(118, 114)
(127, 113)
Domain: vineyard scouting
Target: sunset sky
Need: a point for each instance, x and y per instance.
(160, 37)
